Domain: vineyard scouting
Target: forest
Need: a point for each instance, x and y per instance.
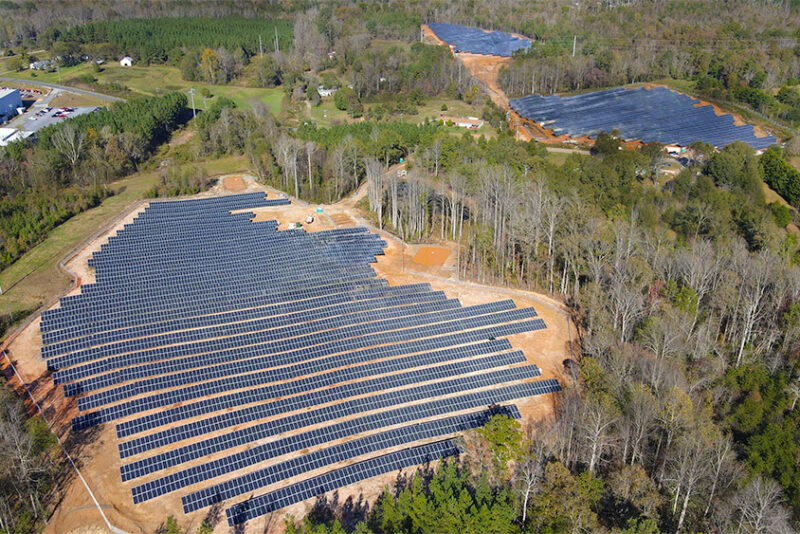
(31, 467)
(745, 54)
(67, 170)
(155, 39)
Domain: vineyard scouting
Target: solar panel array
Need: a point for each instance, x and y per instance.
(477, 41)
(231, 356)
(649, 115)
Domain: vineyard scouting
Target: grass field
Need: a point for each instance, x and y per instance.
(327, 115)
(76, 100)
(35, 278)
(159, 79)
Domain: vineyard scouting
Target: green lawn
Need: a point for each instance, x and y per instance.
(159, 79)
(326, 114)
(557, 158)
(35, 278)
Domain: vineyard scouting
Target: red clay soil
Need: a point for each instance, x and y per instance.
(483, 67)
(234, 183)
(431, 256)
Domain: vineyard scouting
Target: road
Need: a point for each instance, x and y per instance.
(567, 150)
(62, 87)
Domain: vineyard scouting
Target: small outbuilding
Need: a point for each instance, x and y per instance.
(127, 61)
(323, 92)
(470, 123)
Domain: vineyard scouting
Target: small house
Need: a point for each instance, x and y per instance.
(325, 92)
(127, 61)
(470, 123)
(40, 65)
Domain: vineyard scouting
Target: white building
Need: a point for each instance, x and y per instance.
(470, 123)
(10, 101)
(127, 61)
(9, 135)
(40, 65)
(325, 92)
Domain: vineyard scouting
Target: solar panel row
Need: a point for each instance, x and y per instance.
(318, 485)
(204, 324)
(274, 374)
(477, 41)
(324, 457)
(319, 435)
(312, 308)
(649, 115)
(252, 309)
(230, 400)
(353, 337)
(80, 321)
(348, 407)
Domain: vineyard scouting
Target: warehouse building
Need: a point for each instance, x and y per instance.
(10, 103)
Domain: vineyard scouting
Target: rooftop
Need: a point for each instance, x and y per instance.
(7, 91)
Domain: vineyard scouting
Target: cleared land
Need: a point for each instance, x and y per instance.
(234, 183)
(100, 461)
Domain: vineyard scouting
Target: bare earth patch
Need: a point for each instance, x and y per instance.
(431, 256)
(234, 183)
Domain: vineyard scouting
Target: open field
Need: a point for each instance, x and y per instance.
(72, 100)
(158, 79)
(327, 115)
(100, 461)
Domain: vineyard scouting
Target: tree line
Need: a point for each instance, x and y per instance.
(29, 467)
(66, 171)
(152, 39)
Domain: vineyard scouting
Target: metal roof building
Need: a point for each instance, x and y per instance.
(10, 100)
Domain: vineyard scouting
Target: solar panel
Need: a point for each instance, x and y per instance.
(318, 485)
(477, 41)
(649, 115)
(216, 344)
(311, 461)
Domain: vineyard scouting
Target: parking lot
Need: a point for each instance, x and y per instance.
(41, 114)
(37, 118)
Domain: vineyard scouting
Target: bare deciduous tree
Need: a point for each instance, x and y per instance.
(68, 141)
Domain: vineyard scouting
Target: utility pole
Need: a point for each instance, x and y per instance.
(260, 47)
(574, 42)
(277, 45)
(403, 249)
(191, 93)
